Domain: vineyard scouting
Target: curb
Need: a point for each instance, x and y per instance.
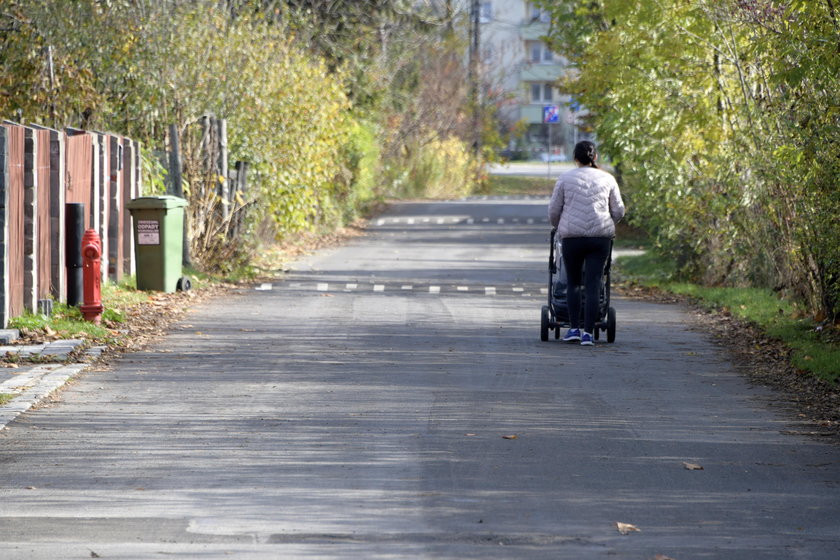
(34, 387)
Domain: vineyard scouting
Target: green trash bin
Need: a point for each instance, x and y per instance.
(158, 242)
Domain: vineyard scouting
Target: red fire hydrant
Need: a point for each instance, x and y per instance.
(92, 276)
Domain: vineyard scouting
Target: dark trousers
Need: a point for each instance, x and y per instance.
(593, 252)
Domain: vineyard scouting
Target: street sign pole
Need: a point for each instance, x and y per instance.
(551, 114)
(574, 107)
(548, 159)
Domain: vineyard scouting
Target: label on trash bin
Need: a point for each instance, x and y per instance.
(148, 232)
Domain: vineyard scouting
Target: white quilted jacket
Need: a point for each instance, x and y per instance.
(586, 202)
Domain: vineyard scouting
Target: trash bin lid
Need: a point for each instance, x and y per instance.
(155, 202)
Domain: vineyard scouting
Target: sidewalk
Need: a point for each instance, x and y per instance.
(29, 383)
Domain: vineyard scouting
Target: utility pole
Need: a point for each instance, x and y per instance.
(474, 75)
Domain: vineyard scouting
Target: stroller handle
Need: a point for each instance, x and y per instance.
(552, 266)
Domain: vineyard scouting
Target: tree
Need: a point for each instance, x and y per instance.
(722, 116)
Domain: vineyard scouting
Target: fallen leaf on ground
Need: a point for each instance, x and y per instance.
(626, 528)
(512, 436)
(470, 435)
(662, 557)
(692, 466)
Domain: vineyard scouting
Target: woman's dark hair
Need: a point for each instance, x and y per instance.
(586, 153)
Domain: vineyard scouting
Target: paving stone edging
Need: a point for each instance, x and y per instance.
(34, 387)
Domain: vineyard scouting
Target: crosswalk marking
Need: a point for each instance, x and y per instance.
(462, 220)
(382, 288)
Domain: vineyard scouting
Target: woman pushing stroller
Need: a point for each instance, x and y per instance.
(584, 208)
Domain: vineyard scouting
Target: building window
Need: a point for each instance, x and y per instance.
(485, 12)
(541, 93)
(536, 14)
(540, 54)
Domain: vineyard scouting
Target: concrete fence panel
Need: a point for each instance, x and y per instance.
(40, 171)
(15, 218)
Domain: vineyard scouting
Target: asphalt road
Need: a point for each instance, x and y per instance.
(391, 399)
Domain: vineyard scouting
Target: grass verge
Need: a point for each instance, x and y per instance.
(501, 185)
(67, 321)
(815, 348)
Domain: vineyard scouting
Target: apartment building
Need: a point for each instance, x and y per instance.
(519, 74)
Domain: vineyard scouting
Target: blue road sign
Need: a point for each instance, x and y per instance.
(551, 114)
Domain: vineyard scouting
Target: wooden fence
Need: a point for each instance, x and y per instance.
(40, 171)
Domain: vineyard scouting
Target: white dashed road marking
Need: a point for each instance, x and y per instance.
(382, 288)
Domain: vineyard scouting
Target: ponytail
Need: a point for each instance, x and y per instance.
(586, 153)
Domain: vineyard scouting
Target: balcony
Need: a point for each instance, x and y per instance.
(533, 30)
(541, 72)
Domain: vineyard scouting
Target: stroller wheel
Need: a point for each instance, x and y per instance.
(544, 323)
(611, 325)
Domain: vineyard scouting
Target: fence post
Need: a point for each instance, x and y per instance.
(57, 196)
(175, 162)
(224, 187)
(93, 211)
(175, 170)
(136, 191)
(102, 200)
(115, 211)
(239, 186)
(30, 220)
(129, 157)
(4, 227)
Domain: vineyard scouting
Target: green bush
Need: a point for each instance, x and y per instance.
(434, 169)
(722, 117)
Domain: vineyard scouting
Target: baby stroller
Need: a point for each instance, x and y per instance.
(555, 315)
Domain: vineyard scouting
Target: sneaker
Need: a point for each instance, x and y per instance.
(572, 336)
(587, 340)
